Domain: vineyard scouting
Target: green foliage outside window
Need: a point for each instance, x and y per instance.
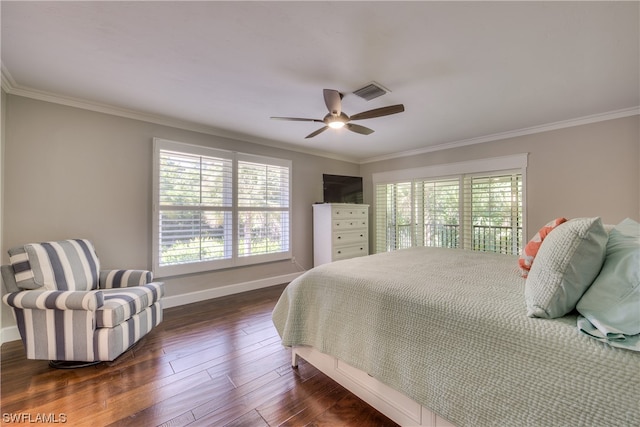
(197, 208)
(474, 212)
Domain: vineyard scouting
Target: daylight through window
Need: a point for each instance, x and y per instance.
(216, 209)
(481, 211)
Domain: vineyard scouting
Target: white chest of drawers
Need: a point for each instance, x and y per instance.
(340, 231)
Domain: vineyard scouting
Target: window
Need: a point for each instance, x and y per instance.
(393, 216)
(438, 204)
(217, 209)
(493, 213)
(476, 210)
(263, 207)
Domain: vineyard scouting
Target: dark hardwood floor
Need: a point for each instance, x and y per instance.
(212, 363)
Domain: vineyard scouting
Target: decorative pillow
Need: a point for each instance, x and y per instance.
(22, 271)
(531, 249)
(612, 303)
(66, 265)
(568, 261)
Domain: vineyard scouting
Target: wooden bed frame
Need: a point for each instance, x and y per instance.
(392, 403)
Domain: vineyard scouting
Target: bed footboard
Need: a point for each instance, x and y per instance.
(388, 401)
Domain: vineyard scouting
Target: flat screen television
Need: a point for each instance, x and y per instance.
(342, 189)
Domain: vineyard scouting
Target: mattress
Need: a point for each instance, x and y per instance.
(448, 328)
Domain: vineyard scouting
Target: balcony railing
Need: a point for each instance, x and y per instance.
(486, 238)
(442, 235)
(498, 239)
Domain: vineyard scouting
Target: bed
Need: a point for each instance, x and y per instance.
(434, 336)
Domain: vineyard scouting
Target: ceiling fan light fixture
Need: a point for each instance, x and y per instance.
(337, 119)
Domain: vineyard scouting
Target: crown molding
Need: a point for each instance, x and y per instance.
(6, 80)
(10, 87)
(617, 114)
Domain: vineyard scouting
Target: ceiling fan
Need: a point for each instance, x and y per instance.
(337, 119)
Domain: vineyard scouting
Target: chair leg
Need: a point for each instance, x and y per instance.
(69, 364)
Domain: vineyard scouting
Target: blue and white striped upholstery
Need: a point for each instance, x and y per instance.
(56, 300)
(68, 265)
(111, 342)
(124, 278)
(61, 313)
(121, 304)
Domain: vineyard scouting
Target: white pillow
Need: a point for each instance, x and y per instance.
(567, 263)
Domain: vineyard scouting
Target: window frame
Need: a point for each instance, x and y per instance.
(235, 260)
(516, 163)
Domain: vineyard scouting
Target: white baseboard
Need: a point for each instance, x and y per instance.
(11, 333)
(236, 288)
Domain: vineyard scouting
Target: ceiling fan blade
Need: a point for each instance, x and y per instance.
(379, 112)
(332, 99)
(358, 129)
(297, 119)
(319, 131)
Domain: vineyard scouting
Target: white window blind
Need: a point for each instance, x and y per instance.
(263, 207)
(479, 211)
(493, 212)
(394, 205)
(438, 213)
(418, 213)
(217, 209)
(194, 208)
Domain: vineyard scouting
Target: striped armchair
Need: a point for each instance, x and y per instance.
(70, 312)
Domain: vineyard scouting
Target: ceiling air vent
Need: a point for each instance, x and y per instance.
(371, 91)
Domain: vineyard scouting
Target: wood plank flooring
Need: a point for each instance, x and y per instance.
(212, 363)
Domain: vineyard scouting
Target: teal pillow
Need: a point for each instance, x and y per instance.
(567, 262)
(612, 303)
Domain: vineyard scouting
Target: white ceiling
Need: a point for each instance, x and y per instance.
(463, 70)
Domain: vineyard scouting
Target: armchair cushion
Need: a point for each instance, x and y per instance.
(122, 304)
(21, 269)
(67, 265)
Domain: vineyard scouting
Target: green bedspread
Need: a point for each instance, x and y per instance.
(448, 328)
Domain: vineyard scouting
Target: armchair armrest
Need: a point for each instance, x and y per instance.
(58, 300)
(124, 278)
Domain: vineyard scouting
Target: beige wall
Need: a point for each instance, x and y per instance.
(588, 170)
(76, 173)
